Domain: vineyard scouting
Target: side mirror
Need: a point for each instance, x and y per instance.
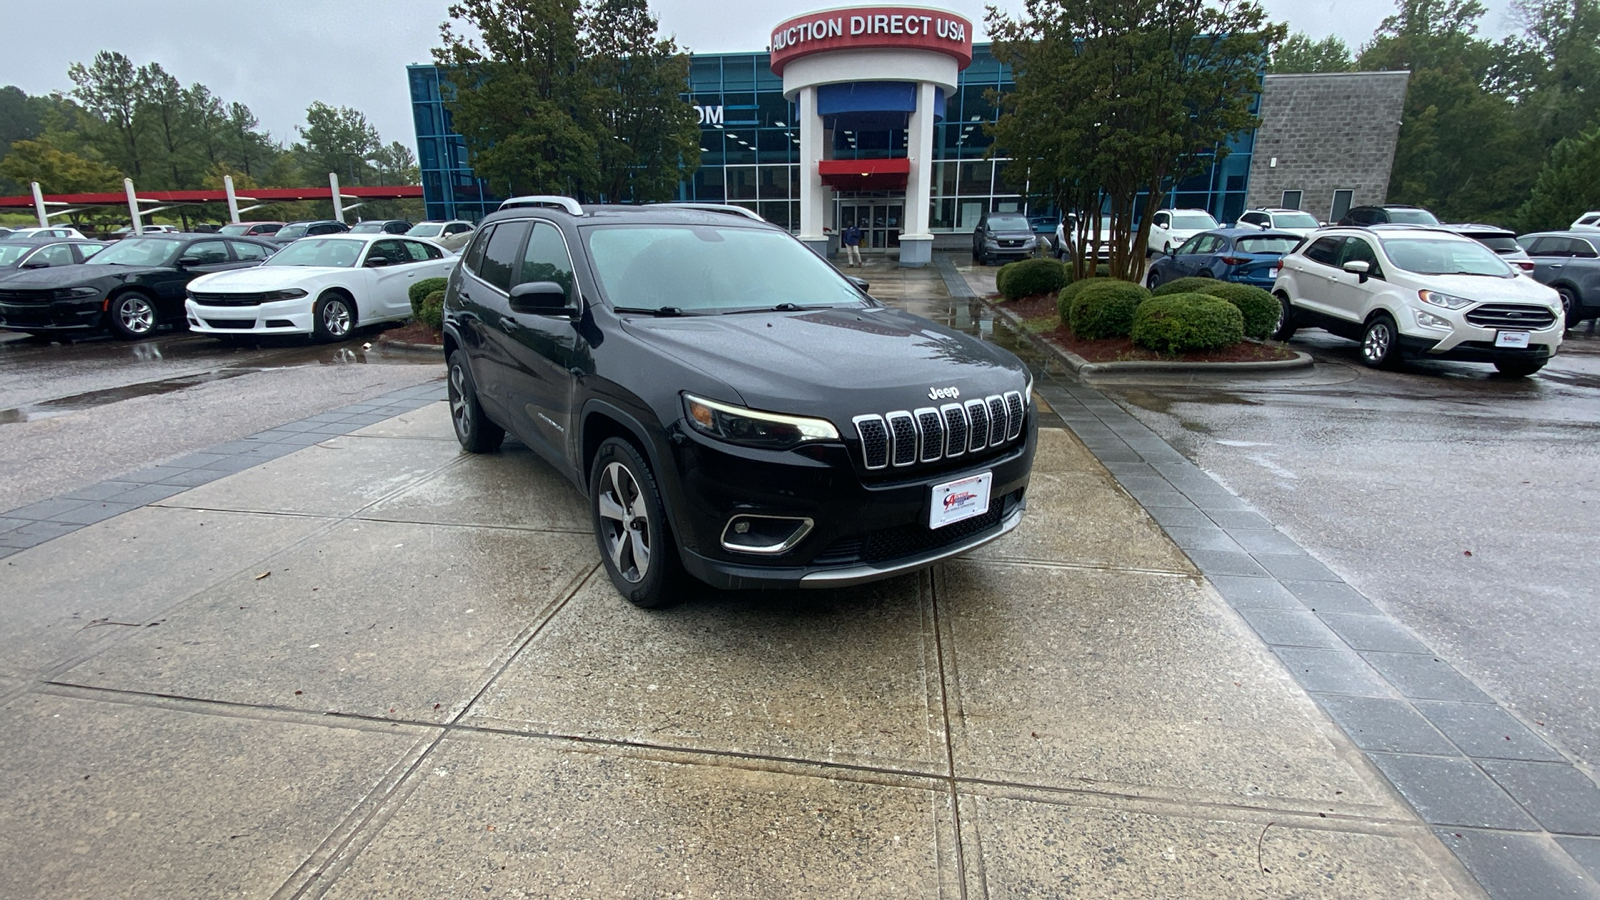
(187, 261)
(860, 283)
(1172, 252)
(376, 262)
(541, 298)
(1360, 268)
(36, 264)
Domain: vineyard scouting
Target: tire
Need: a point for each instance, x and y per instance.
(1286, 319)
(1152, 281)
(1518, 368)
(1380, 343)
(1166, 249)
(132, 316)
(1569, 303)
(630, 527)
(473, 429)
(333, 317)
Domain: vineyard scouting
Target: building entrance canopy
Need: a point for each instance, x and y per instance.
(865, 174)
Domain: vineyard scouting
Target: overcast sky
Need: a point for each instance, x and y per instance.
(279, 56)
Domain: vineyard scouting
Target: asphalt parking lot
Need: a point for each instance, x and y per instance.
(393, 670)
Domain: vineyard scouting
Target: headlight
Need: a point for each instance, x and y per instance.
(289, 294)
(1448, 301)
(77, 293)
(737, 425)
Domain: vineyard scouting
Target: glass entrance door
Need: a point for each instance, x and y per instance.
(879, 221)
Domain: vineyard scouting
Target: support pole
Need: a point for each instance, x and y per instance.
(38, 206)
(233, 201)
(338, 208)
(133, 206)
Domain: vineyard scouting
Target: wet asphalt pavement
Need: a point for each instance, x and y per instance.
(75, 413)
(1465, 503)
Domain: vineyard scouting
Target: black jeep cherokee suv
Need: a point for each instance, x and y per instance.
(733, 407)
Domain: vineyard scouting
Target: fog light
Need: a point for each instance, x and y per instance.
(1429, 320)
(764, 534)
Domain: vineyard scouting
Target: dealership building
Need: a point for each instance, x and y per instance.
(874, 115)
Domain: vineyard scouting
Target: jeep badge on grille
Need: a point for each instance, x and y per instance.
(949, 393)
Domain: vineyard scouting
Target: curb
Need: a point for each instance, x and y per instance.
(1083, 368)
(414, 348)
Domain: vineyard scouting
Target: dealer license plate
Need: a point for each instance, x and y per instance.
(1511, 339)
(962, 499)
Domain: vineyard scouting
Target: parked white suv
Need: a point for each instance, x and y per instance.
(1587, 221)
(1171, 227)
(1277, 219)
(1408, 290)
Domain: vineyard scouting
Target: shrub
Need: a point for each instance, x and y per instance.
(1259, 308)
(430, 310)
(1028, 277)
(1002, 278)
(420, 290)
(1105, 310)
(1190, 285)
(1184, 323)
(1070, 293)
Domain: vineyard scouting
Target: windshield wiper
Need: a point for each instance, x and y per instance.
(658, 311)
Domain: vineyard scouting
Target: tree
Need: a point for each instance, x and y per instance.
(57, 171)
(110, 89)
(1118, 97)
(249, 147)
(1566, 186)
(162, 104)
(396, 164)
(1299, 54)
(339, 141)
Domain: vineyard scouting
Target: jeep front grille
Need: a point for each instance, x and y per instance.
(904, 437)
(1511, 315)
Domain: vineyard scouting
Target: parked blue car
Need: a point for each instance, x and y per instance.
(1243, 255)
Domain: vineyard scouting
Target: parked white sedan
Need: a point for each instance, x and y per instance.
(322, 286)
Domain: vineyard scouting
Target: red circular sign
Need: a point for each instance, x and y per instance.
(872, 28)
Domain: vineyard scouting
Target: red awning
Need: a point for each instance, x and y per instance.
(865, 174)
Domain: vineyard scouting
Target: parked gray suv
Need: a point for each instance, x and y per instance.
(1568, 261)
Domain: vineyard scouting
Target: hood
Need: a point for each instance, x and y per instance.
(261, 278)
(1521, 289)
(67, 276)
(836, 363)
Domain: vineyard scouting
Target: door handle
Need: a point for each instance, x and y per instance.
(1555, 265)
(510, 324)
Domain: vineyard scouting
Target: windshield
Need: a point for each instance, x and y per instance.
(426, 229)
(1412, 217)
(366, 228)
(10, 253)
(1009, 223)
(292, 231)
(1444, 257)
(137, 251)
(235, 230)
(1193, 221)
(1278, 245)
(332, 253)
(1293, 220)
(708, 270)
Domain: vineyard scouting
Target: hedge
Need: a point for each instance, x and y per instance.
(430, 310)
(1105, 310)
(420, 290)
(1028, 277)
(1070, 293)
(1259, 308)
(1190, 285)
(1184, 323)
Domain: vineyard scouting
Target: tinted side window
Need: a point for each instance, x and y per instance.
(208, 252)
(457, 228)
(1325, 250)
(474, 254)
(500, 262)
(420, 251)
(248, 251)
(55, 255)
(546, 259)
(1358, 250)
(1582, 249)
(88, 250)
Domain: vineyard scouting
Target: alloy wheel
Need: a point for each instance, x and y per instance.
(460, 406)
(136, 315)
(625, 523)
(336, 318)
(1375, 346)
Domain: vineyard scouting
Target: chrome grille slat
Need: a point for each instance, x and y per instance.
(997, 419)
(874, 441)
(1511, 315)
(931, 425)
(903, 447)
(978, 416)
(955, 426)
(1014, 412)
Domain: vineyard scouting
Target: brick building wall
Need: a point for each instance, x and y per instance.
(1325, 133)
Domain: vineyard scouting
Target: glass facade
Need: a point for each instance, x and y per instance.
(750, 145)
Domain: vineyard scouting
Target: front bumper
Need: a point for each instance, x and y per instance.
(1464, 341)
(272, 317)
(77, 314)
(864, 529)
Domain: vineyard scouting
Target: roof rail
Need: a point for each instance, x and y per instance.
(569, 205)
(728, 208)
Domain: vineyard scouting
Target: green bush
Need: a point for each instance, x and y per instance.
(1028, 277)
(1002, 278)
(1106, 309)
(1190, 285)
(1259, 308)
(1184, 323)
(420, 290)
(1070, 293)
(430, 311)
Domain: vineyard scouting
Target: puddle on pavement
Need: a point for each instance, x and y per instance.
(89, 399)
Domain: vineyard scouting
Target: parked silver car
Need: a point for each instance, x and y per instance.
(1568, 261)
(1502, 241)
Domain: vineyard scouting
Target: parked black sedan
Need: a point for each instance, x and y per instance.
(294, 231)
(45, 253)
(381, 226)
(130, 287)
